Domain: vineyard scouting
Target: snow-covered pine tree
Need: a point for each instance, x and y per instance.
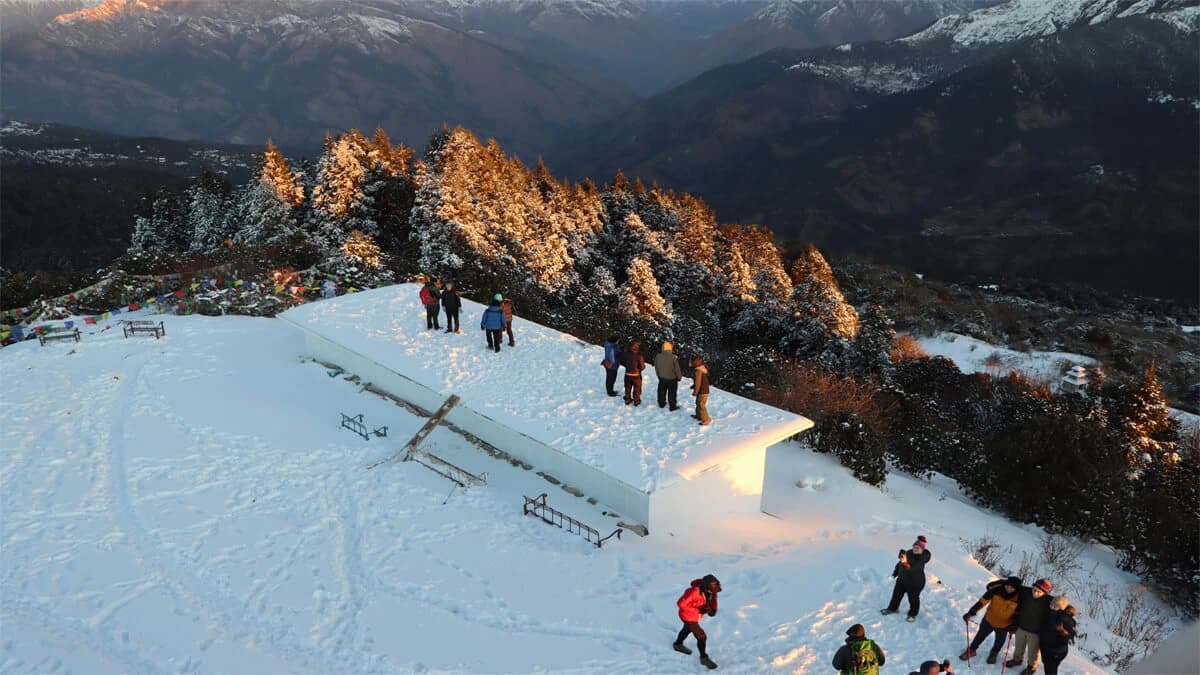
(208, 211)
(162, 223)
(870, 351)
(267, 208)
(639, 296)
(1151, 434)
(361, 250)
(389, 179)
(343, 199)
(816, 294)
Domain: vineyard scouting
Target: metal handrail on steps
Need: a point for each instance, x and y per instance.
(537, 506)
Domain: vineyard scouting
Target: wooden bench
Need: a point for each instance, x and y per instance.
(57, 333)
(147, 327)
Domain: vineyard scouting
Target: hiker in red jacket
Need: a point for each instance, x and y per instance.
(700, 598)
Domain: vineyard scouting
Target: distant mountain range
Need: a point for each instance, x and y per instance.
(523, 71)
(1061, 142)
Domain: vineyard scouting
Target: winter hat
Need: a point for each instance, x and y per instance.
(497, 297)
(930, 667)
(920, 543)
(667, 346)
(1015, 582)
(856, 631)
(710, 580)
(1042, 585)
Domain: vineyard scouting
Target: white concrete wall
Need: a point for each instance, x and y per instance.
(631, 503)
(731, 489)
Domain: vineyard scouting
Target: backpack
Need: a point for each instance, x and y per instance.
(426, 296)
(863, 660)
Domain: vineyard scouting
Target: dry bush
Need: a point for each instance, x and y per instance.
(986, 551)
(1136, 625)
(1027, 569)
(1060, 554)
(817, 394)
(907, 348)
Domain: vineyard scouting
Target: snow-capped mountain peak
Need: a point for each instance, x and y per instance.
(1020, 19)
(110, 10)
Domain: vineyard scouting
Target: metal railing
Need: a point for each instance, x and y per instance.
(537, 506)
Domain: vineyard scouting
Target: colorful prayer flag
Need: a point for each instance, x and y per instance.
(179, 293)
(89, 320)
(134, 306)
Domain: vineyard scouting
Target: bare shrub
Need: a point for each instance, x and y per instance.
(1133, 617)
(819, 394)
(906, 348)
(986, 551)
(1060, 554)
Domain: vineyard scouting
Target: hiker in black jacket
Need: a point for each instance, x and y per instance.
(1058, 632)
(1032, 609)
(452, 304)
(910, 579)
(859, 655)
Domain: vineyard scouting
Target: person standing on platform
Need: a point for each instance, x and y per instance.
(634, 364)
(700, 391)
(506, 305)
(452, 304)
(493, 323)
(612, 365)
(430, 296)
(666, 367)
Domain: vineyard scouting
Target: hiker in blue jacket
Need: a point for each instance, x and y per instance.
(612, 364)
(493, 322)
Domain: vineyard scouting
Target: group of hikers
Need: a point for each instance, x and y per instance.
(1043, 626)
(498, 319)
(666, 368)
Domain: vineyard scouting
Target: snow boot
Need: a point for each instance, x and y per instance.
(707, 662)
(885, 612)
(911, 619)
(992, 656)
(681, 649)
(968, 654)
(1029, 670)
(1012, 662)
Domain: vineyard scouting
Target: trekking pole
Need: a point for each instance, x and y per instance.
(1004, 663)
(967, 628)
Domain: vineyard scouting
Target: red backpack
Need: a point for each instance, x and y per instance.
(426, 296)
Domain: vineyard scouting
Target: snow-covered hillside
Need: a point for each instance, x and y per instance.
(191, 505)
(1019, 19)
(972, 355)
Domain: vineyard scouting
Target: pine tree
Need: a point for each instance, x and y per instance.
(870, 351)
(344, 199)
(817, 294)
(162, 224)
(266, 210)
(639, 296)
(208, 211)
(1151, 434)
(362, 250)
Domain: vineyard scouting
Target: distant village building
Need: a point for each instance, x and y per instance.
(1075, 381)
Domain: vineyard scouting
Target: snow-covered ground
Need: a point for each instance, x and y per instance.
(191, 505)
(565, 405)
(976, 356)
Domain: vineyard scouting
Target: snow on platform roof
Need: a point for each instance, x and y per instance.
(549, 387)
